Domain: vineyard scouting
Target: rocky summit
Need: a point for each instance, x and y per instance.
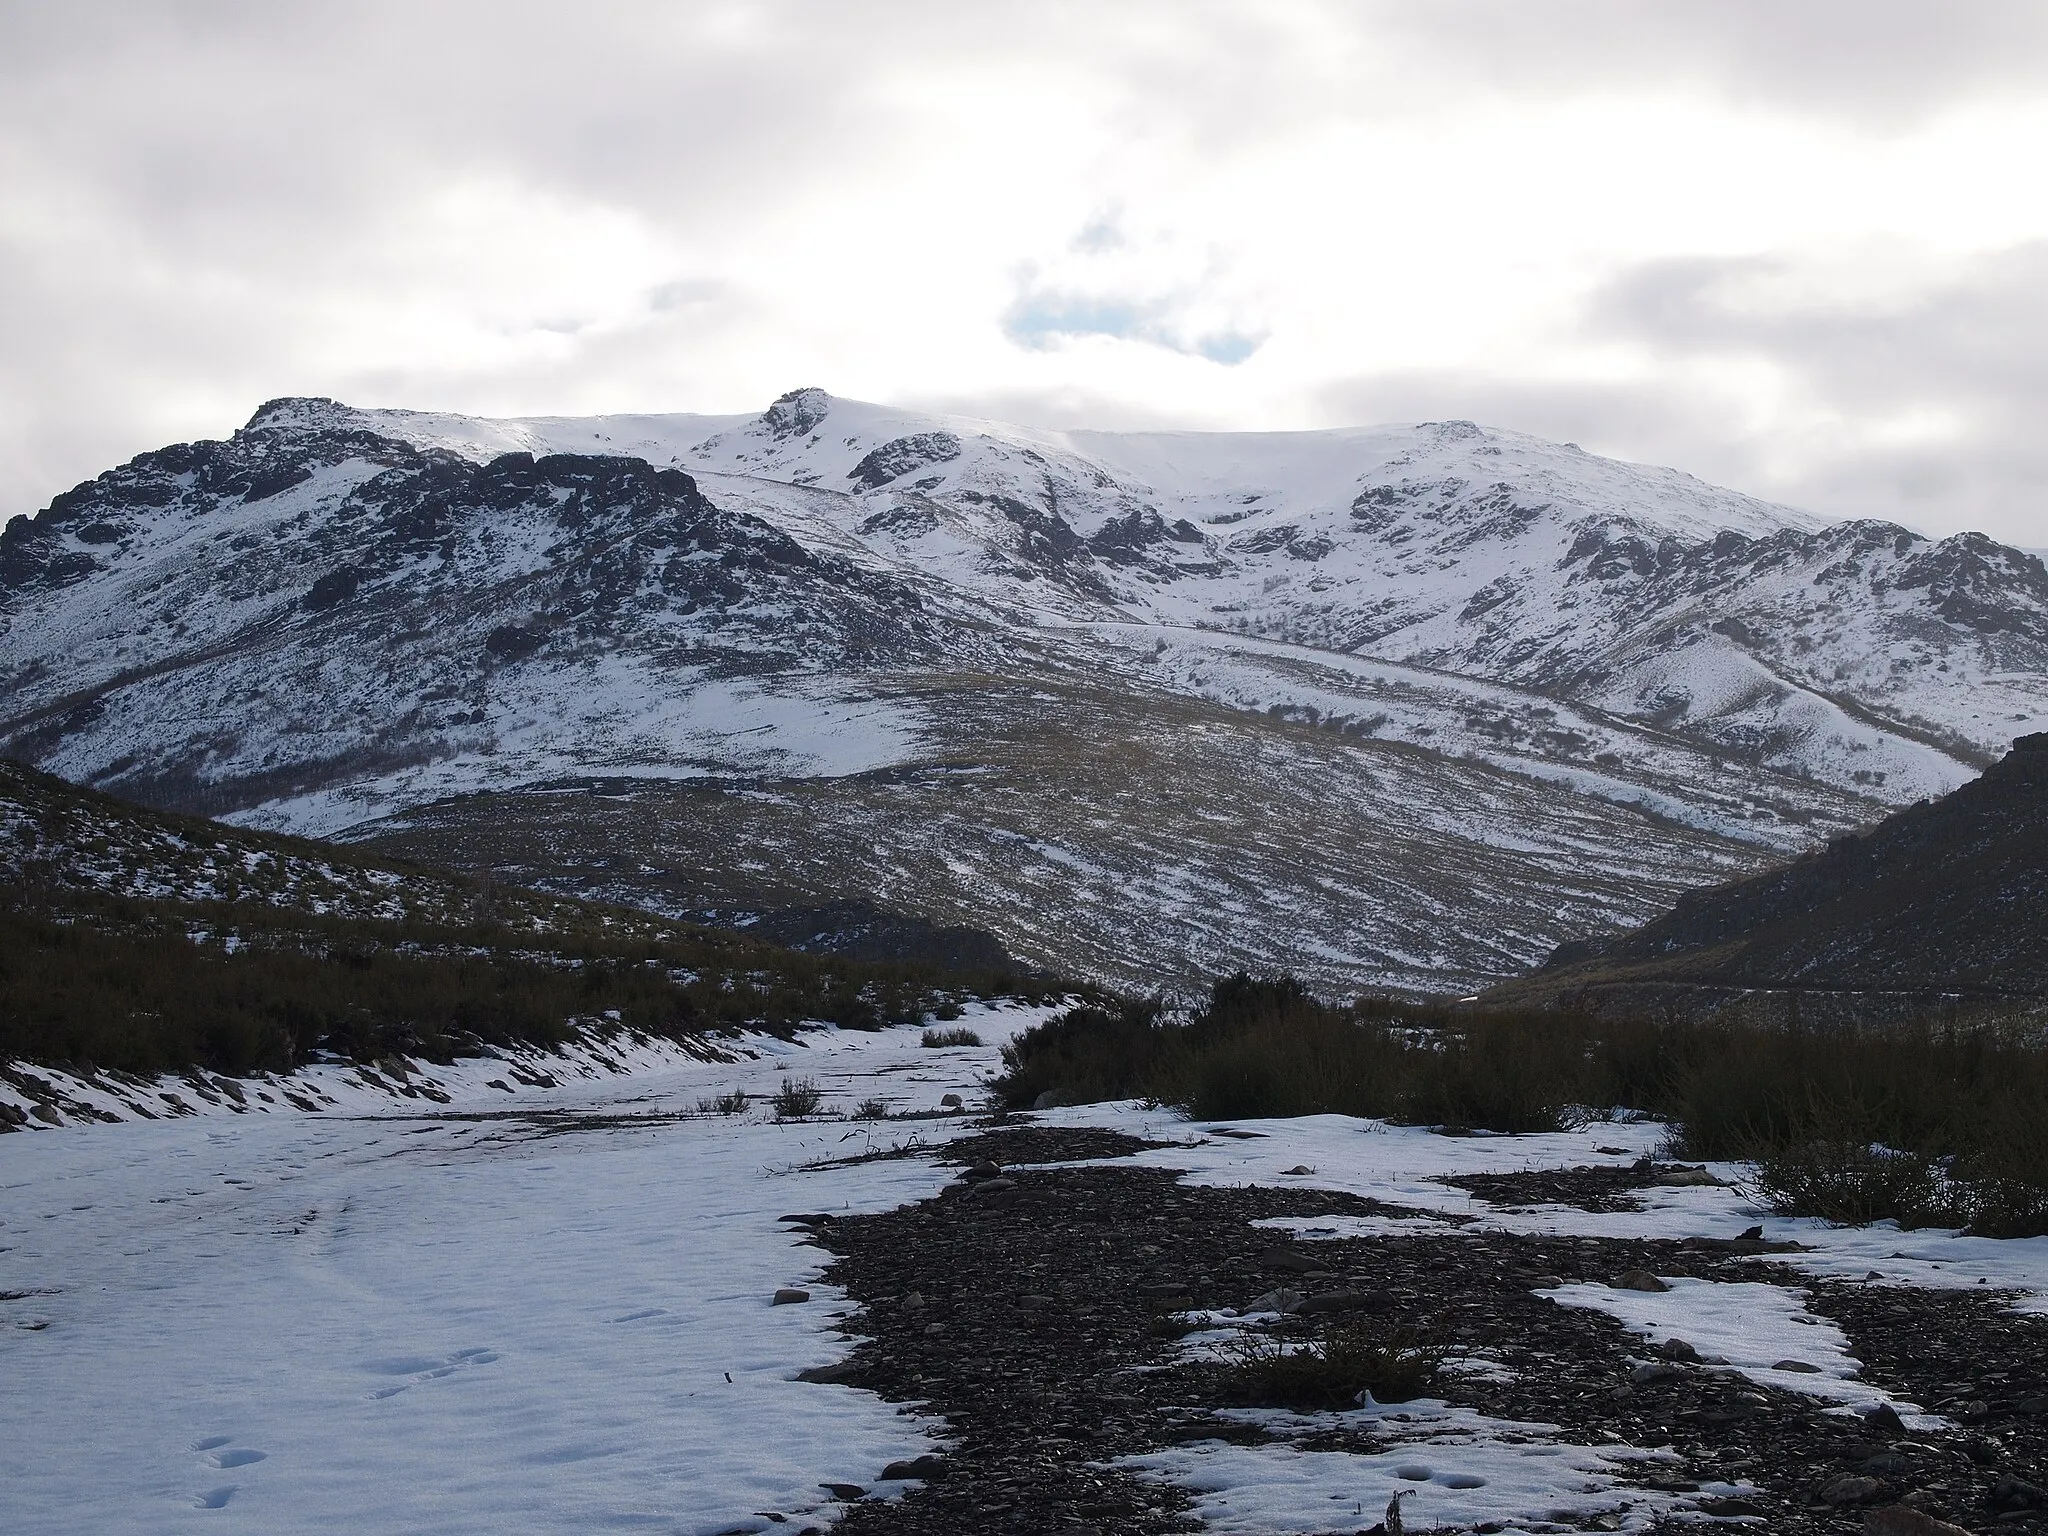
(1391, 707)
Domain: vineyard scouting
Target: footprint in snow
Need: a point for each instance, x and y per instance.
(646, 1312)
(418, 1368)
(215, 1498)
(243, 1457)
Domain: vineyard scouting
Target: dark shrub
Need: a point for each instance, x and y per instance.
(797, 1099)
(939, 1039)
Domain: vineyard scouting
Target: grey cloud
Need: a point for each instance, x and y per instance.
(1877, 63)
(1971, 346)
(1978, 333)
(233, 167)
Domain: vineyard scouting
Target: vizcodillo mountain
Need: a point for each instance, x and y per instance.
(1388, 707)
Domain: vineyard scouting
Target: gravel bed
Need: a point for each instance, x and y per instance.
(1033, 1310)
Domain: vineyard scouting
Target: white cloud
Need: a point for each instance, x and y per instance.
(1786, 247)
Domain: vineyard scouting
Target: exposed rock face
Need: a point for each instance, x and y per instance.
(217, 625)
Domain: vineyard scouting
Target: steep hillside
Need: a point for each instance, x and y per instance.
(965, 673)
(1941, 903)
(311, 608)
(138, 942)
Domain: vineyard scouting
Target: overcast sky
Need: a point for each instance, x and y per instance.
(1795, 246)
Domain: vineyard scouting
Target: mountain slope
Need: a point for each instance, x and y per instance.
(319, 607)
(1942, 901)
(1437, 659)
(140, 942)
(1861, 653)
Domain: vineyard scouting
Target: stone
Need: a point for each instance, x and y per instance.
(1546, 1283)
(1678, 1349)
(1050, 1099)
(1885, 1417)
(1279, 1299)
(1646, 1373)
(1346, 1301)
(2009, 1495)
(837, 1374)
(983, 1170)
(1685, 1178)
(1297, 1171)
(1637, 1280)
(1034, 1303)
(994, 1186)
(1163, 1290)
(791, 1296)
(1289, 1261)
(950, 1101)
(1904, 1520)
(1801, 1366)
(845, 1492)
(47, 1115)
(1850, 1488)
(929, 1469)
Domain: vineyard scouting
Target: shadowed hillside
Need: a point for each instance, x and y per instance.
(1945, 903)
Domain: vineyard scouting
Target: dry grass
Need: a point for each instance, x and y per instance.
(939, 1039)
(1333, 1371)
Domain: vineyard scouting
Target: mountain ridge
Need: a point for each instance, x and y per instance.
(354, 620)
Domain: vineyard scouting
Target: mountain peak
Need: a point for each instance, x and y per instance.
(299, 412)
(798, 412)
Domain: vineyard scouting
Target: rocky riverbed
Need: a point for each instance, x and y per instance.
(1040, 1312)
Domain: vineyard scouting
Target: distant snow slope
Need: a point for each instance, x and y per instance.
(341, 615)
(1860, 653)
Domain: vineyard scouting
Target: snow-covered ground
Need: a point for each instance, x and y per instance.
(371, 1320)
(549, 1308)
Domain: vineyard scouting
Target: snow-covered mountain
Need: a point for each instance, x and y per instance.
(1393, 705)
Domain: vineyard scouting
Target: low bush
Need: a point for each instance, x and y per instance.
(798, 1098)
(871, 1109)
(938, 1039)
(92, 980)
(1089, 1053)
(1854, 1183)
(1934, 1121)
(733, 1103)
(1334, 1371)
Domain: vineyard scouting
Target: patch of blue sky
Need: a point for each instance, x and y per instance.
(1042, 320)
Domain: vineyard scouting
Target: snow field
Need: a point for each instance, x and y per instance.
(1447, 1465)
(399, 1316)
(389, 1322)
(1754, 1328)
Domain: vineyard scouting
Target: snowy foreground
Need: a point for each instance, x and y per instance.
(396, 1315)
